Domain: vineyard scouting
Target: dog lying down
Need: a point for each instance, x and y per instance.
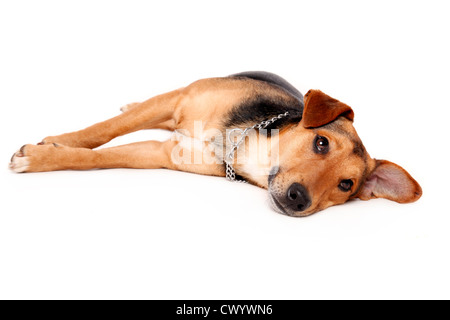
(252, 126)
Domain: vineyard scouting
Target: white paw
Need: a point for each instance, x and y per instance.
(129, 106)
(19, 162)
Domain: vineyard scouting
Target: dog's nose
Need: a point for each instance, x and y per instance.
(297, 197)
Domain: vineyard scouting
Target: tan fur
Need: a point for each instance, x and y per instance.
(320, 173)
(209, 101)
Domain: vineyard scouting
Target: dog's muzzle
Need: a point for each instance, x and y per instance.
(295, 201)
(297, 198)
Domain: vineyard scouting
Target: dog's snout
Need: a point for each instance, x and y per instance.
(297, 198)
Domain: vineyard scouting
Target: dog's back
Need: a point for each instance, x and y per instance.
(272, 79)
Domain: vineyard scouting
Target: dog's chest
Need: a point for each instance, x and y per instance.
(196, 149)
(253, 159)
(256, 157)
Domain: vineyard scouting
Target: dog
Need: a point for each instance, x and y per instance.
(320, 160)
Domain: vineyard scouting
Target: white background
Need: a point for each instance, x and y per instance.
(161, 234)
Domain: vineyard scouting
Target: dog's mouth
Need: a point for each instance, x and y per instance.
(276, 205)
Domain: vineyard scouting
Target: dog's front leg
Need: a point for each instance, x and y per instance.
(140, 155)
(52, 157)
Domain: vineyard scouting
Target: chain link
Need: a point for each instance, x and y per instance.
(230, 172)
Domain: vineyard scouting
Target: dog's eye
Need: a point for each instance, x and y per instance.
(321, 145)
(346, 185)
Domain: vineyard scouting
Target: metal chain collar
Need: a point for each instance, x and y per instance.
(235, 144)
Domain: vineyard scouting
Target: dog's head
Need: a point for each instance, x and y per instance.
(324, 163)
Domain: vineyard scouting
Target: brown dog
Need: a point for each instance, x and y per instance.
(311, 159)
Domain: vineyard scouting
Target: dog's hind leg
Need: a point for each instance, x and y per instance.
(166, 125)
(155, 113)
(130, 106)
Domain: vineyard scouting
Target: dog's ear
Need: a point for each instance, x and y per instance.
(321, 109)
(392, 182)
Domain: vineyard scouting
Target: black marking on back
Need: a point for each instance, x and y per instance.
(260, 107)
(273, 79)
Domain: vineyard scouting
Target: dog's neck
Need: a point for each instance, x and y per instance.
(255, 161)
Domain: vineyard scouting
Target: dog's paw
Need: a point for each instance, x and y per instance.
(31, 158)
(129, 106)
(51, 140)
(67, 140)
(19, 162)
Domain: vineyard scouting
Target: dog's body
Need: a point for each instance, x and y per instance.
(321, 161)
